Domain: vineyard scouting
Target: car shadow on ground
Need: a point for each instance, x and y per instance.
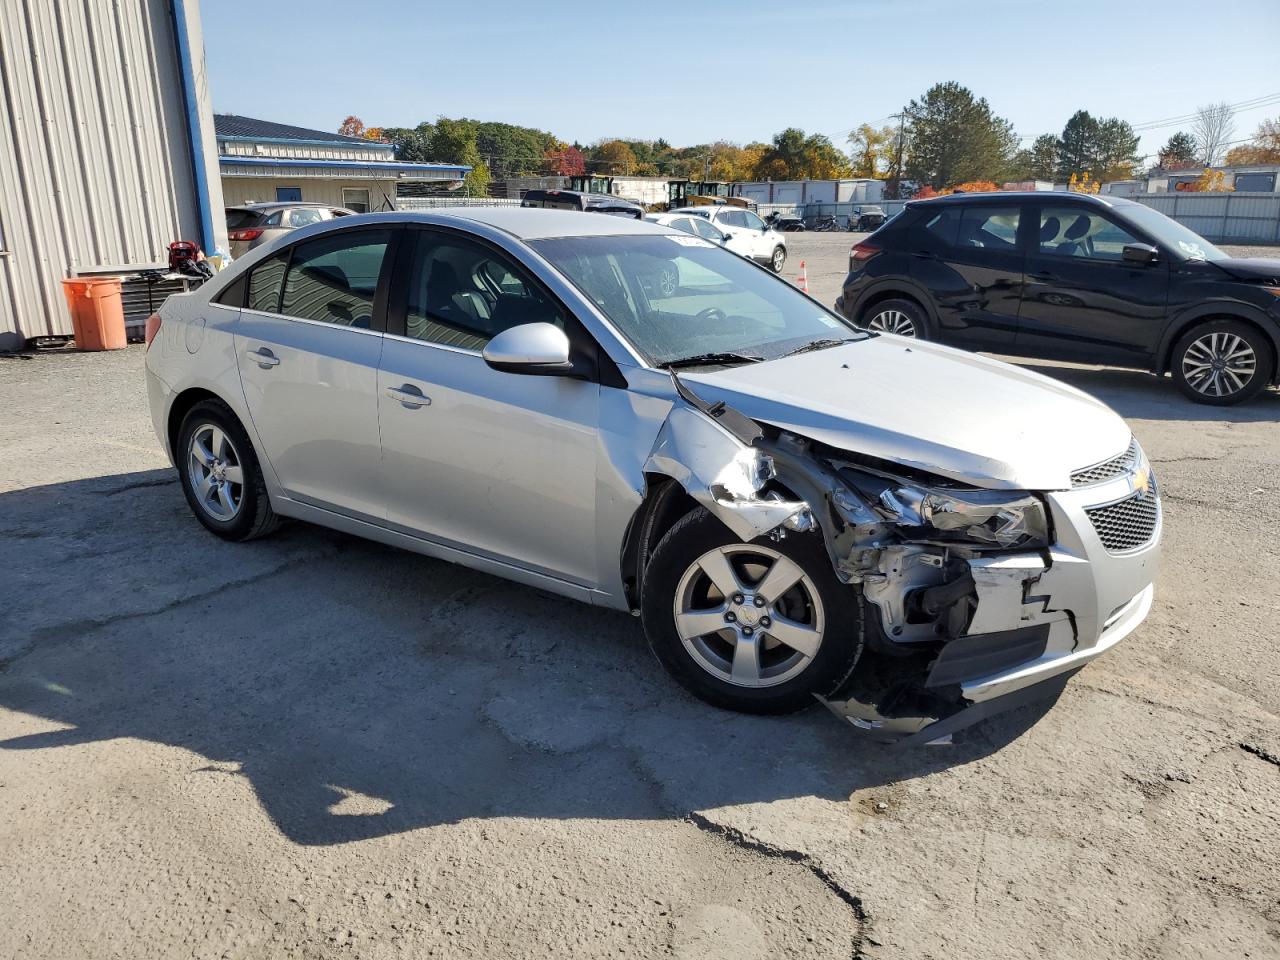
(1139, 395)
(363, 691)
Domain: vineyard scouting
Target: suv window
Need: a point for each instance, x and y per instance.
(942, 227)
(1076, 232)
(239, 219)
(989, 227)
(301, 216)
(462, 294)
(733, 218)
(333, 278)
(752, 221)
(705, 230)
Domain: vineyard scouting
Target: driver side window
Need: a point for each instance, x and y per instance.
(1077, 232)
(462, 293)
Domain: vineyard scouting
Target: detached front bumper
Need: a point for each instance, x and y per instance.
(1040, 617)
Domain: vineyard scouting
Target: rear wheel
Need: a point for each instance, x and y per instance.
(1222, 362)
(221, 478)
(758, 627)
(778, 259)
(899, 317)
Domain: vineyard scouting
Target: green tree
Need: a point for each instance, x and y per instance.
(412, 144)
(1041, 158)
(870, 150)
(1076, 145)
(1178, 153)
(454, 141)
(794, 156)
(955, 137)
(1103, 147)
(511, 150)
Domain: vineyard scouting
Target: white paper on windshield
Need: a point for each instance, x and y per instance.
(691, 241)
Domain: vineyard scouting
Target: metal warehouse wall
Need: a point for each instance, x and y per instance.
(96, 171)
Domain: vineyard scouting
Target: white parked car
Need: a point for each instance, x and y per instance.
(749, 236)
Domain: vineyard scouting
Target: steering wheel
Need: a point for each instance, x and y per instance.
(711, 315)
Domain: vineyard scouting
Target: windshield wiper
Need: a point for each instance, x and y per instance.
(822, 344)
(707, 359)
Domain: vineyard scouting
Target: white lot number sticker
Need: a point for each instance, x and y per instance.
(830, 321)
(690, 241)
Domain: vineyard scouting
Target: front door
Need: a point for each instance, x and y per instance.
(1082, 299)
(500, 465)
(969, 257)
(307, 345)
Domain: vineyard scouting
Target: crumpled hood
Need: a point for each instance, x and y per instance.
(931, 407)
(1251, 268)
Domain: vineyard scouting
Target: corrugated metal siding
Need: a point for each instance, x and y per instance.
(237, 190)
(95, 167)
(305, 151)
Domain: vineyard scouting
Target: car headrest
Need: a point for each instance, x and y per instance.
(1049, 229)
(1079, 227)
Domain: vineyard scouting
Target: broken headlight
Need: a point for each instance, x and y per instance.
(987, 517)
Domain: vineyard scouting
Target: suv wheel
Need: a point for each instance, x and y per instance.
(758, 627)
(779, 258)
(220, 474)
(899, 317)
(1222, 362)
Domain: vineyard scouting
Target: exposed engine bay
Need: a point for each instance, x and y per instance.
(949, 574)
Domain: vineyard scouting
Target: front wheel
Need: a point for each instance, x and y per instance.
(220, 474)
(758, 627)
(778, 259)
(1222, 362)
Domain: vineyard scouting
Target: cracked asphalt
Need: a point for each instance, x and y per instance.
(313, 746)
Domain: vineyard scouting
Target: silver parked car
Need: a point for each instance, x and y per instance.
(794, 507)
(255, 224)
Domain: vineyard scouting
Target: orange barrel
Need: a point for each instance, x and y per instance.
(97, 312)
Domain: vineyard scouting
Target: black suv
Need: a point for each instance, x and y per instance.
(1070, 276)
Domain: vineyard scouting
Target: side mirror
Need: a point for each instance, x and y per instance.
(1141, 253)
(725, 238)
(539, 349)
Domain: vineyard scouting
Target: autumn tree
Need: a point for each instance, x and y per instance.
(956, 137)
(1263, 148)
(613, 157)
(566, 161)
(1178, 153)
(870, 150)
(352, 127)
(1212, 128)
(1211, 181)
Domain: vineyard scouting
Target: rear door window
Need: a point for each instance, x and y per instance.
(334, 278)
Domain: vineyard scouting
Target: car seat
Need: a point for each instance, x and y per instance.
(1076, 242)
(1049, 231)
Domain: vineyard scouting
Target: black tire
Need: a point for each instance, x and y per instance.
(778, 259)
(1192, 349)
(881, 313)
(254, 516)
(699, 533)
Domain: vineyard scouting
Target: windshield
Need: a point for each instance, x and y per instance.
(677, 297)
(1172, 235)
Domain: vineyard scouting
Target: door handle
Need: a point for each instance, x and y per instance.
(925, 255)
(408, 396)
(1046, 276)
(263, 357)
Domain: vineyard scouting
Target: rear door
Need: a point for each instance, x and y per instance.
(308, 345)
(969, 258)
(1082, 299)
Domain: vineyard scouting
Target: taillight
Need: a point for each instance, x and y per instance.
(153, 327)
(249, 233)
(862, 252)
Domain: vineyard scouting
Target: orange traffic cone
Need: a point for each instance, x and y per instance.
(803, 278)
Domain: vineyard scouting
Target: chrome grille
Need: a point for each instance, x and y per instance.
(1108, 469)
(1126, 524)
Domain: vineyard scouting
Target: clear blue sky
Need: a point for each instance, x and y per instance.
(739, 70)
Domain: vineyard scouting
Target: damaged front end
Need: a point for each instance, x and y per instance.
(956, 582)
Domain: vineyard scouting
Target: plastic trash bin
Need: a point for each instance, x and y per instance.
(97, 312)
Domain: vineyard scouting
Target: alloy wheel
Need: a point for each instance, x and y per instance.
(748, 615)
(779, 258)
(893, 321)
(1219, 364)
(215, 471)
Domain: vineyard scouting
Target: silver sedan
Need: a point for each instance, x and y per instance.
(631, 416)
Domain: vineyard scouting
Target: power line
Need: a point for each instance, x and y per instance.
(1265, 100)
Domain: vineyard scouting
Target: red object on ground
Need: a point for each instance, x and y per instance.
(97, 312)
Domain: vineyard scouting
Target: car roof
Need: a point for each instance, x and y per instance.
(539, 223)
(282, 204)
(1018, 195)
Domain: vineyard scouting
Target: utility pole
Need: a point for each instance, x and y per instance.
(897, 172)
